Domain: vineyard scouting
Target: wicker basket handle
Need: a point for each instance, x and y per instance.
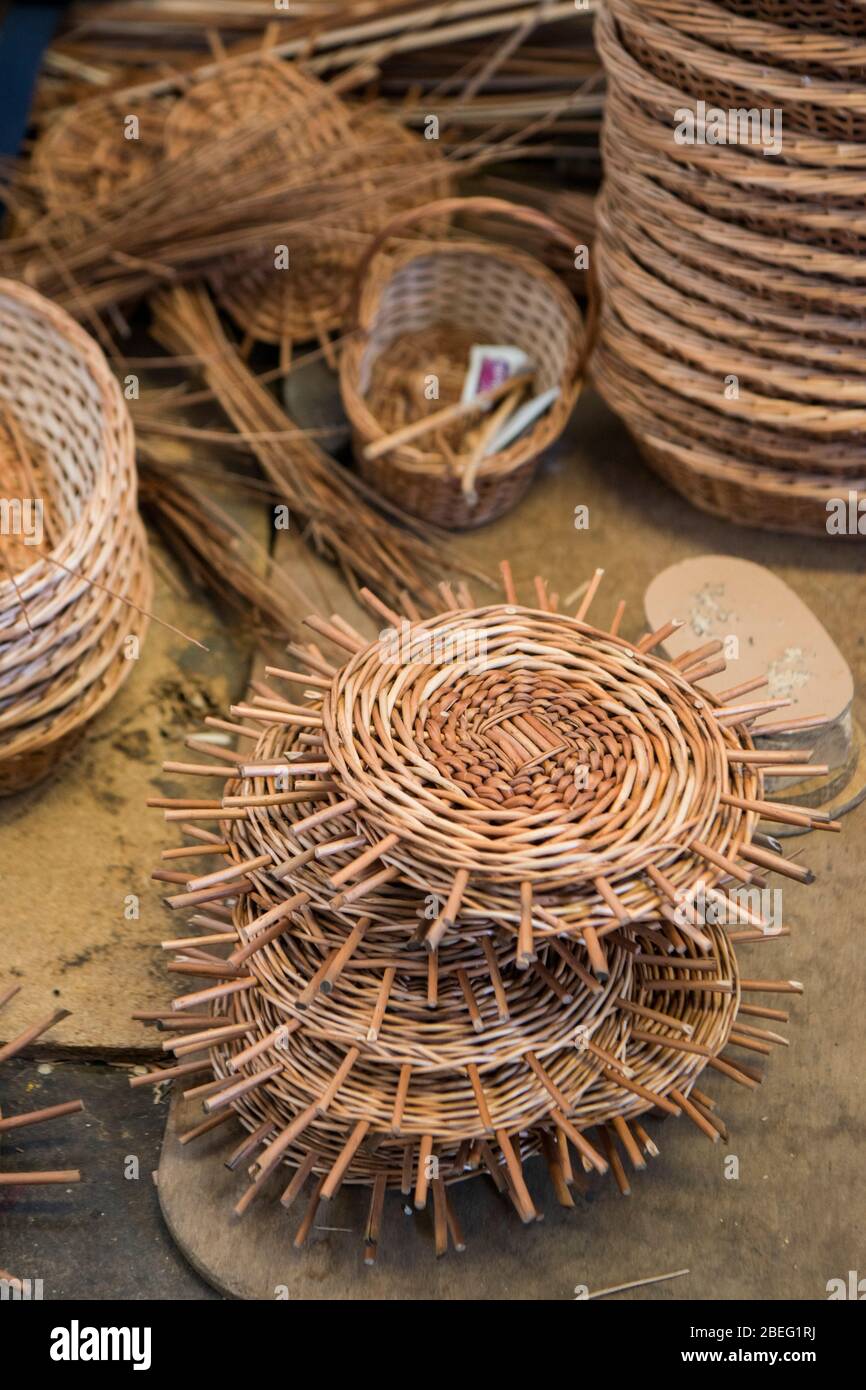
(533, 217)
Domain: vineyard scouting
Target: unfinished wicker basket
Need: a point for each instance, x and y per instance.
(450, 906)
(383, 165)
(419, 312)
(92, 151)
(75, 582)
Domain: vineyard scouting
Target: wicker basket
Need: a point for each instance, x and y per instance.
(813, 152)
(85, 156)
(760, 497)
(68, 604)
(731, 191)
(445, 295)
(719, 266)
(785, 275)
(653, 404)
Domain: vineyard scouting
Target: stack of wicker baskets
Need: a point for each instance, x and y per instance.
(733, 273)
(74, 573)
(457, 873)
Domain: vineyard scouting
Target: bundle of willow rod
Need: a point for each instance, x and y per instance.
(74, 574)
(731, 257)
(335, 508)
(216, 551)
(11, 1124)
(481, 65)
(451, 896)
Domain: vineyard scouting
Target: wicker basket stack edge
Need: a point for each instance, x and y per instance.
(75, 580)
(731, 267)
(448, 893)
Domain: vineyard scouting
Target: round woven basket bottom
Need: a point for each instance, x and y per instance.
(84, 155)
(24, 771)
(285, 306)
(311, 299)
(354, 1049)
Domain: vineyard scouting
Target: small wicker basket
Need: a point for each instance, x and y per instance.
(430, 301)
(70, 602)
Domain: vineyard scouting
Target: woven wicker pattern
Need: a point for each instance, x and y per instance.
(837, 16)
(458, 875)
(409, 307)
(733, 279)
(87, 156)
(815, 54)
(65, 602)
(832, 109)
